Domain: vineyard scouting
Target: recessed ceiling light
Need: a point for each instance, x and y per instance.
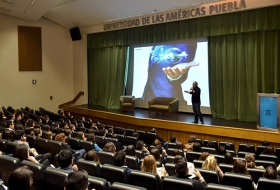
(5, 9)
(7, 1)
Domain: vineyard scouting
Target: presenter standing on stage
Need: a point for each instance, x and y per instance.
(195, 92)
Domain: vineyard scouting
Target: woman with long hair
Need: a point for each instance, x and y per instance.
(149, 165)
(210, 163)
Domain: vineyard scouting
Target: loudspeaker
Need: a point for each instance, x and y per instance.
(75, 34)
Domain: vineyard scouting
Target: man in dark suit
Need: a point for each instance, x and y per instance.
(181, 168)
(120, 161)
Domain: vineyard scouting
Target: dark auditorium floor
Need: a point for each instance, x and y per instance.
(183, 117)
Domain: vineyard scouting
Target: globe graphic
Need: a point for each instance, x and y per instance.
(173, 55)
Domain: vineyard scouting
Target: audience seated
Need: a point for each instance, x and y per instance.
(173, 139)
(77, 180)
(210, 163)
(181, 168)
(61, 138)
(203, 156)
(268, 150)
(110, 147)
(92, 156)
(149, 165)
(140, 146)
(270, 173)
(65, 160)
(91, 138)
(130, 150)
(250, 161)
(120, 160)
(21, 179)
(80, 135)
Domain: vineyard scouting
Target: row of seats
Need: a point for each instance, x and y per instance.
(52, 178)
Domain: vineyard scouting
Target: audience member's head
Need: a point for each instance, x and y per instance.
(60, 137)
(211, 144)
(178, 158)
(135, 134)
(18, 126)
(30, 123)
(203, 156)
(173, 138)
(265, 143)
(92, 156)
(67, 132)
(181, 168)
(119, 158)
(47, 135)
(130, 150)
(156, 142)
(175, 152)
(228, 158)
(210, 163)
(80, 135)
(91, 137)
(9, 135)
(155, 153)
(192, 139)
(248, 148)
(65, 158)
(109, 147)
(21, 152)
(21, 179)
(250, 160)
(153, 130)
(139, 145)
(268, 150)
(102, 132)
(19, 135)
(110, 130)
(10, 125)
(38, 132)
(222, 150)
(270, 173)
(77, 180)
(229, 146)
(196, 147)
(239, 167)
(149, 164)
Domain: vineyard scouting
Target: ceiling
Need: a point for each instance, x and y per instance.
(81, 13)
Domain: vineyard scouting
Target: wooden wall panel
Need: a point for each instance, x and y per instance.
(29, 48)
(182, 130)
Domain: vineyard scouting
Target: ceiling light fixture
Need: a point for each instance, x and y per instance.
(28, 8)
(5, 9)
(7, 1)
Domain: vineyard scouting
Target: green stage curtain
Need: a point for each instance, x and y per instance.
(242, 47)
(242, 65)
(106, 71)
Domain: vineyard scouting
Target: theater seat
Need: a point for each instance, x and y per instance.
(100, 140)
(226, 167)
(175, 146)
(239, 180)
(7, 165)
(265, 184)
(114, 173)
(170, 159)
(170, 169)
(106, 157)
(74, 143)
(93, 168)
(145, 179)
(265, 163)
(10, 146)
(87, 145)
(139, 154)
(177, 183)
(198, 163)
(269, 158)
(123, 186)
(132, 162)
(54, 147)
(43, 146)
(54, 178)
(210, 150)
(256, 173)
(191, 156)
(213, 186)
(97, 183)
(131, 140)
(210, 176)
(170, 151)
(38, 173)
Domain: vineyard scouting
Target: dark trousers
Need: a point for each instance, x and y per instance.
(196, 111)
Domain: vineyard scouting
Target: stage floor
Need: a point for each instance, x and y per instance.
(182, 117)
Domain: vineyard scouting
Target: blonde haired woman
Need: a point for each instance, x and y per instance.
(211, 164)
(149, 165)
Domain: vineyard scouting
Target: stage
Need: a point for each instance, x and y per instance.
(166, 125)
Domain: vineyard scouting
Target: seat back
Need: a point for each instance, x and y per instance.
(238, 180)
(116, 143)
(265, 163)
(131, 140)
(132, 162)
(145, 179)
(142, 135)
(118, 130)
(150, 137)
(139, 154)
(175, 146)
(211, 176)
(74, 143)
(87, 145)
(93, 168)
(242, 154)
(269, 158)
(170, 151)
(7, 165)
(277, 153)
(38, 173)
(122, 139)
(55, 147)
(231, 145)
(170, 159)
(10, 146)
(205, 143)
(114, 173)
(259, 150)
(219, 158)
(98, 183)
(100, 140)
(128, 132)
(226, 167)
(209, 150)
(123, 186)
(54, 178)
(106, 157)
(213, 186)
(256, 173)
(265, 183)
(198, 163)
(191, 156)
(242, 146)
(177, 183)
(32, 141)
(42, 145)
(2, 145)
(170, 169)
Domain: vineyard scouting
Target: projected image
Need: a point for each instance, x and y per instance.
(167, 70)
